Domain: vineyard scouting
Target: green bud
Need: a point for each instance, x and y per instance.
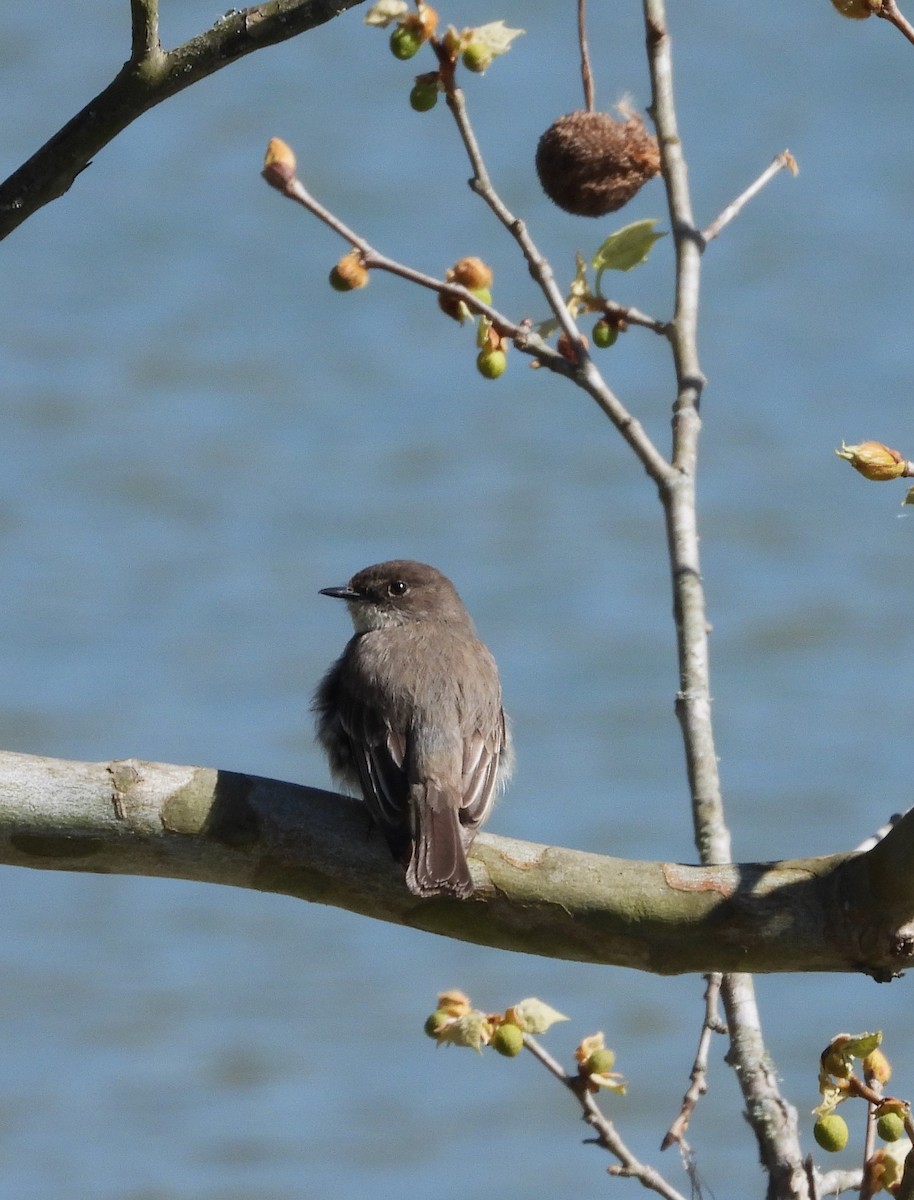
(600, 1062)
(405, 42)
(477, 57)
(507, 1040)
(604, 335)
(491, 363)
(890, 1127)
(436, 1022)
(423, 97)
(482, 293)
(831, 1132)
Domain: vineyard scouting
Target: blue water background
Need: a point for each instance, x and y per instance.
(197, 434)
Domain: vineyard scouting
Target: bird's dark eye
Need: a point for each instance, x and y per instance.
(397, 588)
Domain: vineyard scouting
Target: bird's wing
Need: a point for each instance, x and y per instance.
(481, 757)
(378, 754)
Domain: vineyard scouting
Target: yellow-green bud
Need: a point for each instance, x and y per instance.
(890, 1127)
(491, 363)
(604, 334)
(507, 1040)
(423, 97)
(600, 1062)
(476, 57)
(831, 1132)
(876, 1067)
(436, 1022)
(405, 42)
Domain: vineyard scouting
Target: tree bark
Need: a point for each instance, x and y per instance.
(138, 818)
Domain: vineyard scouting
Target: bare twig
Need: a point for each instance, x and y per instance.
(586, 72)
(522, 335)
(784, 159)
(607, 1135)
(890, 11)
(482, 186)
(773, 1121)
(699, 1078)
(626, 315)
(586, 375)
(869, 1145)
(148, 78)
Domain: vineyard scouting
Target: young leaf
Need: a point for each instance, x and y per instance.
(496, 37)
(533, 1016)
(627, 247)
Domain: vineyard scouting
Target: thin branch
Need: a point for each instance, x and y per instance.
(482, 186)
(773, 1120)
(784, 159)
(586, 72)
(584, 373)
(145, 82)
(607, 1135)
(699, 1077)
(867, 1189)
(624, 314)
(890, 11)
(693, 704)
(522, 336)
(587, 375)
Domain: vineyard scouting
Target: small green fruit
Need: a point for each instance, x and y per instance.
(507, 1040)
(831, 1132)
(476, 57)
(604, 335)
(405, 42)
(601, 1062)
(491, 363)
(890, 1127)
(436, 1022)
(424, 97)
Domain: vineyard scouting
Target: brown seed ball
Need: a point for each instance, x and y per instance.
(590, 164)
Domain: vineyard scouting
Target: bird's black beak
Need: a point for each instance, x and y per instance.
(341, 593)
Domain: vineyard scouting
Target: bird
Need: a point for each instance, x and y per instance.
(410, 716)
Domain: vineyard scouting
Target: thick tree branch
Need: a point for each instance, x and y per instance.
(150, 76)
(138, 818)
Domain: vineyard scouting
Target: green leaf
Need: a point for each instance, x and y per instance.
(533, 1016)
(496, 37)
(627, 247)
(862, 1044)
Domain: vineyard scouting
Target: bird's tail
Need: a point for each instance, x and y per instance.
(438, 862)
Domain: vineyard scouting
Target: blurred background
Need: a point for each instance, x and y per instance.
(197, 434)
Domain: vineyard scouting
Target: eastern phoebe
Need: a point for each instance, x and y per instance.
(410, 716)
